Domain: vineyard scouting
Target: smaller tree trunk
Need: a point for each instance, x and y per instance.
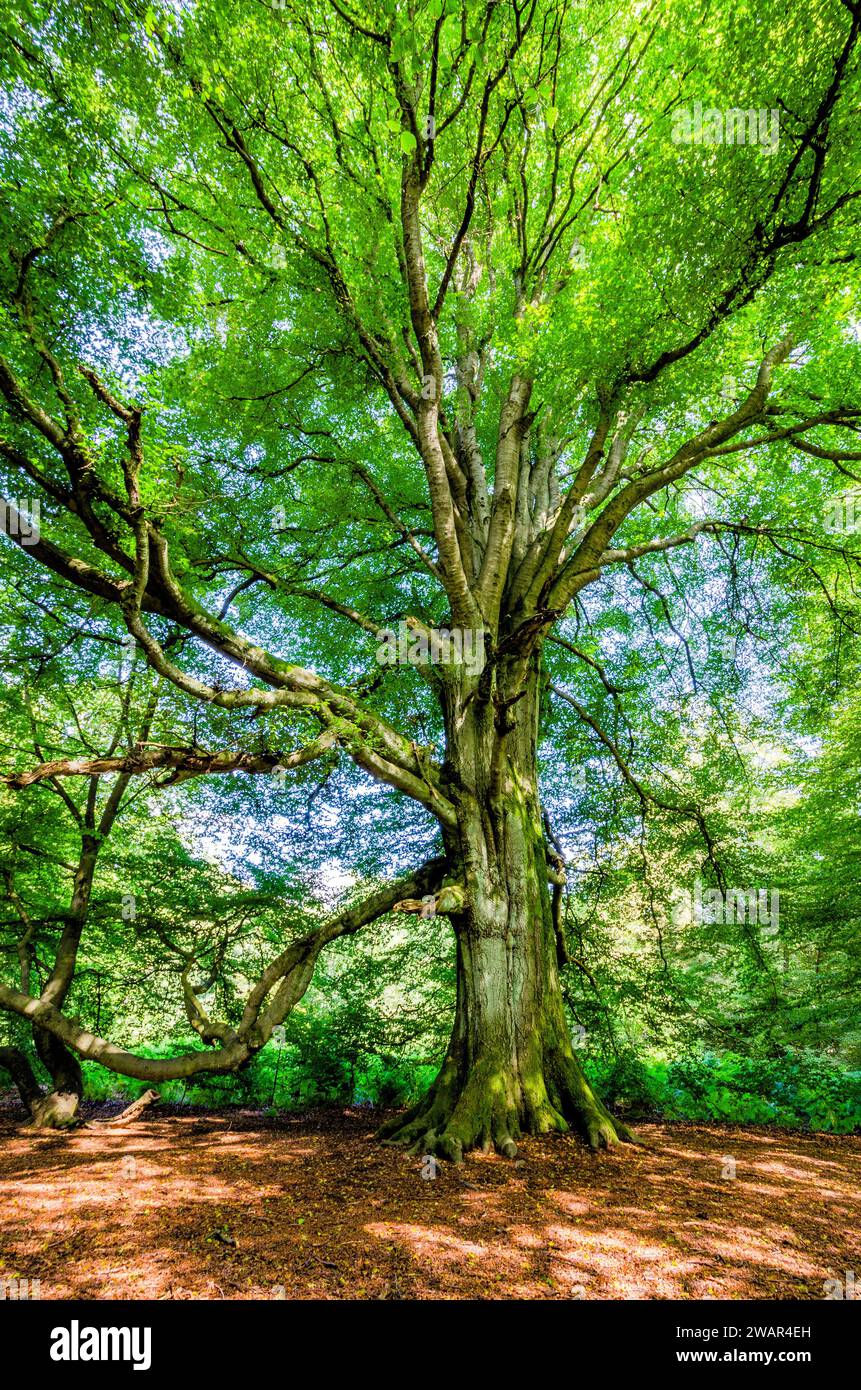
(59, 1108)
(17, 1064)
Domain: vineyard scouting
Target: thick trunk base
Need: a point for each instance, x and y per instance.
(493, 1108)
(510, 1069)
(57, 1110)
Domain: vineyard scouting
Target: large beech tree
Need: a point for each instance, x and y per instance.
(322, 318)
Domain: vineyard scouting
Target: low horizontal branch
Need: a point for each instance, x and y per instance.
(186, 762)
(289, 975)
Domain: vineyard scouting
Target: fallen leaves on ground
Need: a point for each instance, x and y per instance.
(237, 1204)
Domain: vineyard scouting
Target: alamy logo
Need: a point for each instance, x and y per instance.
(76, 1343)
(15, 522)
(19, 1289)
(436, 646)
(843, 513)
(712, 907)
(694, 126)
(845, 1288)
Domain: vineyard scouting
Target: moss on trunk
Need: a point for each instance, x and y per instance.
(510, 1068)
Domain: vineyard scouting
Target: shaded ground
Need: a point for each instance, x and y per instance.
(240, 1205)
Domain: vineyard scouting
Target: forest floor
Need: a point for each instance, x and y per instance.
(240, 1204)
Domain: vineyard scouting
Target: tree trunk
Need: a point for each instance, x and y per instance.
(17, 1064)
(58, 1109)
(510, 1068)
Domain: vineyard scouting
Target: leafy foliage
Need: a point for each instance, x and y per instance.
(279, 287)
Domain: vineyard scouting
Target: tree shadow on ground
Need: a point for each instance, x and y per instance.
(237, 1204)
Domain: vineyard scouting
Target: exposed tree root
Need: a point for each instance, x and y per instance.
(131, 1112)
